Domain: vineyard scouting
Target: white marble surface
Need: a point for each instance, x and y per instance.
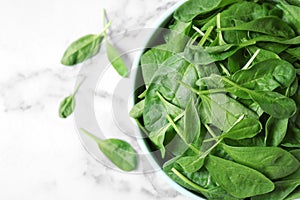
(41, 156)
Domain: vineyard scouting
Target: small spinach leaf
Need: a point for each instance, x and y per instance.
(115, 59)
(117, 151)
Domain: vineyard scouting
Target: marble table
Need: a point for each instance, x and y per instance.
(41, 156)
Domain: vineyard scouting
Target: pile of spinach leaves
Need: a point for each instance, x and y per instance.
(222, 99)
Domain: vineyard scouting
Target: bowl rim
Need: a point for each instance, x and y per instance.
(141, 142)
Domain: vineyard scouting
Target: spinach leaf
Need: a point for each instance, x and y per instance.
(246, 128)
(243, 11)
(190, 164)
(292, 138)
(137, 110)
(115, 59)
(151, 61)
(243, 182)
(282, 190)
(177, 37)
(83, 48)
(67, 105)
(191, 122)
(274, 162)
(165, 81)
(117, 151)
(200, 182)
(222, 111)
(198, 55)
(273, 103)
(294, 52)
(158, 137)
(283, 187)
(273, 26)
(275, 131)
(291, 15)
(192, 8)
(266, 75)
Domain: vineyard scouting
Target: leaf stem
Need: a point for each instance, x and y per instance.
(211, 139)
(103, 31)
(188, 86)
(220, 36)
(206, 36)
(203, 155)
(202, 92)
(251, 60)
(181, 135)
(201, 33)
(142, 95)
(210, 131)
(104, 22)
(212, 91)
(233, 84)
(141, 127)
(78, 86)
(225, 70)
(96, 139)
(178, 117)
(189, 182)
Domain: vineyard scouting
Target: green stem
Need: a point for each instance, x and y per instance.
(234, 85)
(103, 32)
(206, 35)
(202, 92)
(104, 22)
(247, 43)
(210, 149)
(181, 135)
(212, 91)
(96, 139)
(178, 117)
(251, 60)
(187, 181)
(142, 95)
(210, 131)
(225, 70)
(188, 87)
(211, 139)
(220, 36)
(162, 99)
(78, 86)
(201, 33)
(141, 127)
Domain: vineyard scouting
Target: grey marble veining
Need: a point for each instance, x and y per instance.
(41, 156)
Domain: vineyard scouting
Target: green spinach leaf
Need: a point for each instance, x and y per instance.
(243, 182)
(274, 162)
(117, 151)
